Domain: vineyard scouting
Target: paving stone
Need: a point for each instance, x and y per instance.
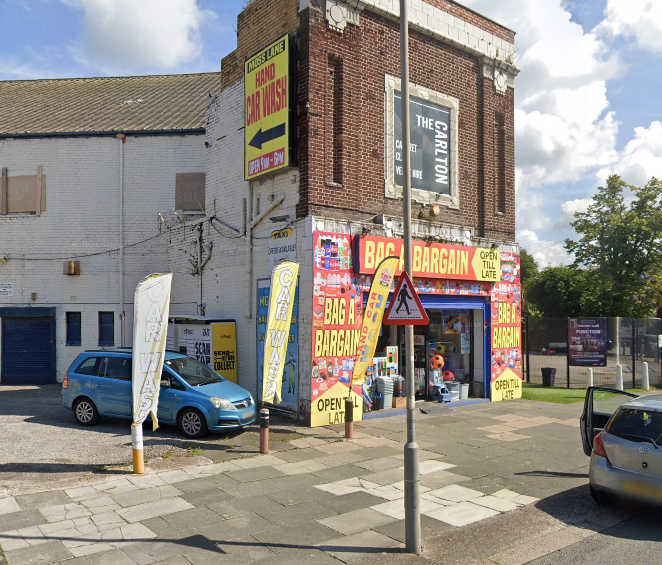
(247, 490)
(234, 528)
(194, 485)
(441, 479)
(456, 493)
(385, 477)
(292, 482)
(22, 519)
(112, 557)
(429, 528)
(352, 549)
(380, 464)
(508, 436)
(9, 506)
(193, 518)
(245, 549)
(201, 498)
(388, 492)
(153, 509)
(297, 514)
(396, 508)
(337, 473)
(498, 504)
(356, 521)
(297, 496)
(297, 557)
(304, 536)
(461, 514)
(239, 507)
(39, 499)
(344, 503)
(50, 552)
(142, 496)
(257, 462)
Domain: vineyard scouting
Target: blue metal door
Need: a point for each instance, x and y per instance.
(28, 351)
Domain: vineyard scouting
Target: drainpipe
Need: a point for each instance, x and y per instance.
(248, 236)
(122, 139)
(200, 308)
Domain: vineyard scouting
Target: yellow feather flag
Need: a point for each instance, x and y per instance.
(281, 301)
(372, 317)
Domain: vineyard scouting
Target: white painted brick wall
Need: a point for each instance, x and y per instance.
(82, 218)
(225, 280)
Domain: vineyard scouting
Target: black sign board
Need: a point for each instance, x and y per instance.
(430, 144)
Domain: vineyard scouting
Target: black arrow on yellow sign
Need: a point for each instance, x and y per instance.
(267, 135)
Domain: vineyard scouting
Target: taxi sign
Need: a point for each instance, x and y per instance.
(405, 308)
(267, 109)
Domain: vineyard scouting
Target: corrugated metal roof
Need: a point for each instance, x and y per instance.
(106, 104)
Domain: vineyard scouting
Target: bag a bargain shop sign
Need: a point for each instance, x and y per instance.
(266, 118)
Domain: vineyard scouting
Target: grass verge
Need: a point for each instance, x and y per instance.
(541, 393)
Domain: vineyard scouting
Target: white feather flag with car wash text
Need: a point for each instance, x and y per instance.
(281, 301)
(150, 324)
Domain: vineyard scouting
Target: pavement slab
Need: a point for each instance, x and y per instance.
(352, 549)
(356, 521)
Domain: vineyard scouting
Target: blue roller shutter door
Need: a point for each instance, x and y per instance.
(28, 351)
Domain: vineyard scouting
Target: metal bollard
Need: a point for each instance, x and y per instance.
(619, 377)
(645, 383)
(264, 431)
(590, 377)
(349, 418)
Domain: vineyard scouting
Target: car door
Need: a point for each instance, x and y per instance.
(599, 405)
(170, 396)
(114, 387)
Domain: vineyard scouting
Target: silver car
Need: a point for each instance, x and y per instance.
(622, 433)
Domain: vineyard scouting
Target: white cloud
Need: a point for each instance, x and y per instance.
(569, 207)
(545, 252)
(130, 34)
(640, 159)
(639, 20)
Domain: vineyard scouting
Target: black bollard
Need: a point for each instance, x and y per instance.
(264, 431)
(349, 418)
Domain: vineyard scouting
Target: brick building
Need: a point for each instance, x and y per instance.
(90, 166)
(318, 180)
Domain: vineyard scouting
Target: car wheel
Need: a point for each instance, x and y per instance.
(601, 497)
(192, 423)
(85, 412)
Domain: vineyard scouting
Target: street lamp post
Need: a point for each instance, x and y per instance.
(412, 490)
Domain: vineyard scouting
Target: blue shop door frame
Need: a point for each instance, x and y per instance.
(28, 347)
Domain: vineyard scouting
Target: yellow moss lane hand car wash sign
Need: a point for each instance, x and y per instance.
(266, 113)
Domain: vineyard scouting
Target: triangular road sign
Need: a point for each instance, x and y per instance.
(405, 308)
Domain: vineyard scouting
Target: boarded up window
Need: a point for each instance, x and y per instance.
(190, 192)
(23, 194)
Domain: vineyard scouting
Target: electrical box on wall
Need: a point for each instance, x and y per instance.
(71, 268)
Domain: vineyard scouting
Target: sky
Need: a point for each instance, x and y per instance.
(588, 99)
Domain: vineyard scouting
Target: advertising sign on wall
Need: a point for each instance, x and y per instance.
(290, 386)
(431, 259)
(337, 317)
(506, 324)
(587, 342)
(266, 118)
(6, 289)
(430, 145)
(282, 246)
(224, 349)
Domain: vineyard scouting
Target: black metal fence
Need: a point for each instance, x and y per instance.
(631, 343)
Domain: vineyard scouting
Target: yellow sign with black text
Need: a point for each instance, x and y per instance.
(507, 387)
(224, 349)
(330, 408)
(266, 111)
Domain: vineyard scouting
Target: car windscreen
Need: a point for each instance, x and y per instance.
(194, 372)
(636, 424)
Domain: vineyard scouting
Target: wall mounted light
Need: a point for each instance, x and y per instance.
(434, 209)
(3, 259)
(283, 218)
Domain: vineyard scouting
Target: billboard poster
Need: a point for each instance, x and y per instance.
(506, 326)
(337, 318)
(224, 349)
(290, 385)
(587, 342)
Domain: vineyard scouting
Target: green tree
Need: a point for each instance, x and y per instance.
(558, 291)
(620, 243)
(528, 265)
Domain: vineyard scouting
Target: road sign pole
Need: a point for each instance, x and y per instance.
(412, 494)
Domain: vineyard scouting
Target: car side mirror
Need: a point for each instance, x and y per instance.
(165, 383)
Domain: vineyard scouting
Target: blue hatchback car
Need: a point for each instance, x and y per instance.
(192, 396)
